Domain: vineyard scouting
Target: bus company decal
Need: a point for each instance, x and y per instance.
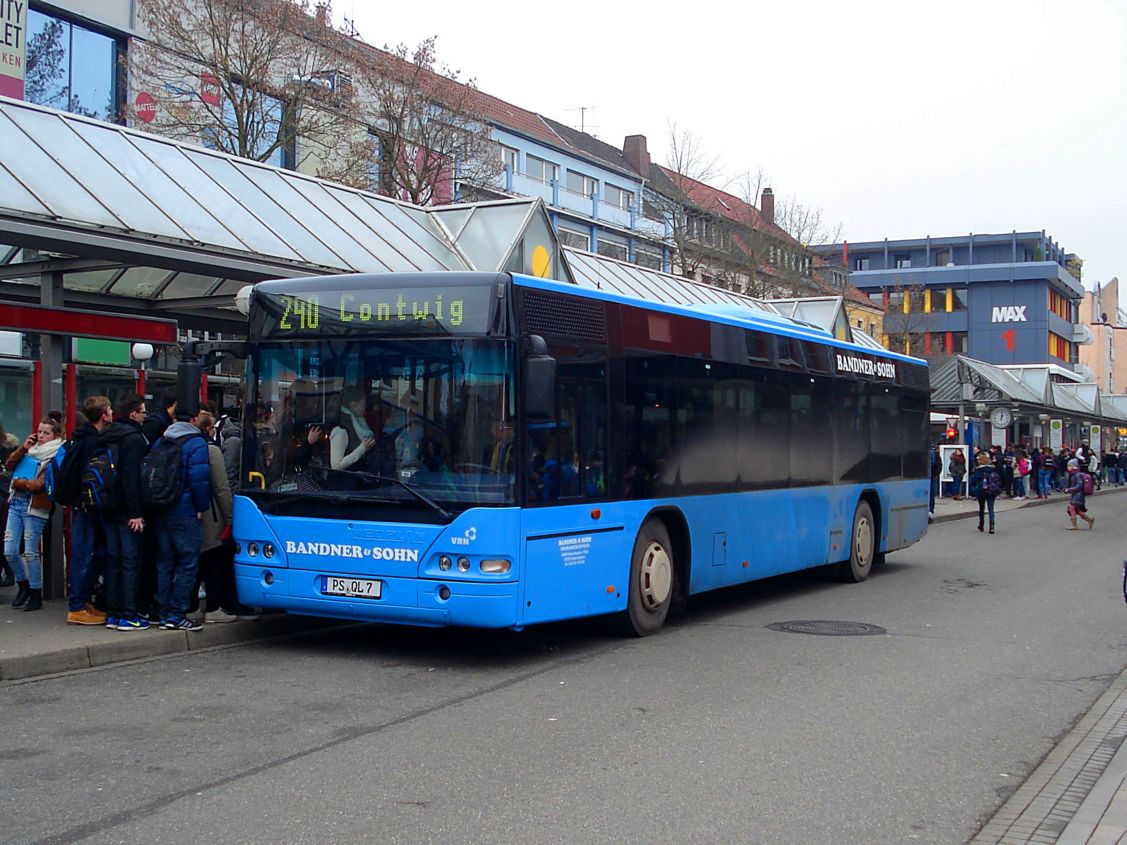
(468, 537)
(574, 550)
(847, 363)
(352, 551)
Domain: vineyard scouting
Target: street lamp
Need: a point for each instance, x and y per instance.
(142, 352)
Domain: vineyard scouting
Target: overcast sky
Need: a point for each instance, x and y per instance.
(896, 119)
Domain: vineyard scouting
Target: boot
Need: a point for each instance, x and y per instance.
(21, 594)
(991, 527)
(1091, 520)
(34, 600)
(7, 577)
(1073, 526)
(980, 524)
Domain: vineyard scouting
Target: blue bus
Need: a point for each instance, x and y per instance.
(498, 450)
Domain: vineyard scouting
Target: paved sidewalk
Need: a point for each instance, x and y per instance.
(1077, 795)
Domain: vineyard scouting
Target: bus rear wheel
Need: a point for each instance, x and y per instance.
(862, 550)
(651, 580)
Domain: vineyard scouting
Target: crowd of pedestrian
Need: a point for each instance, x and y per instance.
(1015, 472)
(149, 495)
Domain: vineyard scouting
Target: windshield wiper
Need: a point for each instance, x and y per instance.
(418, 494)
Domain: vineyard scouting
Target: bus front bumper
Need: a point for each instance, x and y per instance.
(407, 601)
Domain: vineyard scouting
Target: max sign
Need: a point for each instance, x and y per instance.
(1009, 314)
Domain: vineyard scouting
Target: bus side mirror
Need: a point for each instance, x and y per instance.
(539, 381)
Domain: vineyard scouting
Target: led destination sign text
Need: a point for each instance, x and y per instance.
(337, 312)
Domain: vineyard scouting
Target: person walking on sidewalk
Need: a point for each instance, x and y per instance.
(985, 485)
(28, 509)
(124, 524)
(1078, 487)
(179, 530)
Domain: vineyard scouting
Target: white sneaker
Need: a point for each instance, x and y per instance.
(220, 616)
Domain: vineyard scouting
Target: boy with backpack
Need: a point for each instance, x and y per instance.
(86, 524)
(985, 485)
(122, 517)
(176, 486)
(1080, 487)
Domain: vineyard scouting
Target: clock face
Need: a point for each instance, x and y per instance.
(1000, 417)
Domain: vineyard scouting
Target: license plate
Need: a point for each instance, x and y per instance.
(356, 588)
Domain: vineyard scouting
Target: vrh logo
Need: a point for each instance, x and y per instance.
(1009, 314)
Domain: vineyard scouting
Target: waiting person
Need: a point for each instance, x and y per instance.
(8, 444)
(957, 468)
(935, 469)
(86, 526)
(159, 419)
(124, 525)
(28, 509)
(985, 484)
(179, 529)
(1121, 467)
(1021, 472)
(1077, 496)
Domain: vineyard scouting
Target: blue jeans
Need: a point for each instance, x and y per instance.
(986, 503)
(179, 538)
(1019, 487)
(123, 564)
(1043, 478)
(22, 525)
(84, 531)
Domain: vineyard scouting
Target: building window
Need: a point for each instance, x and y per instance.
(957, 299)
(576, 238)
(873, 329)
(942, 258)
(903, 261)
(1059, 347)
(877, 298)
(510, 159)
(958, 343)
(648, 256)
(916, 301)
(896, 300)
(272, 113)
(70, 67)
(1059, 305)
(585, 186)
(860, 263)
(541, 170)
(618, 197)
(612, 247)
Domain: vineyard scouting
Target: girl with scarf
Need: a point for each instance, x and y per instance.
(28, 509)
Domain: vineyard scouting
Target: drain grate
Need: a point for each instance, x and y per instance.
(828, 628)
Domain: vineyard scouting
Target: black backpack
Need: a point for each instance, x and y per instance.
(100, 484)
(63, 476)
(162, 474)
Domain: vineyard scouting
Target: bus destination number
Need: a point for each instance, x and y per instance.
(300, 313)
(352, 587)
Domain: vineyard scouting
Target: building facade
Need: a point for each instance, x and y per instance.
(1106, 356)
(1001, 298)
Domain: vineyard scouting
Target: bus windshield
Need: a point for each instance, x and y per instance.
(421, 423)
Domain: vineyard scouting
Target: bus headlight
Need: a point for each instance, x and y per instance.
(496, 567)
(463, 564)
(268, 550)
(252, 549)
(444, 563)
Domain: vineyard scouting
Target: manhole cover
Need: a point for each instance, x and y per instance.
(828, 628)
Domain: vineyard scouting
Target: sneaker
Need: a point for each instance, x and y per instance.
(84, 617)
(197, 615)
(137, 623)
(181, 624)
(245, 613)
(220, 616)
(112, 622)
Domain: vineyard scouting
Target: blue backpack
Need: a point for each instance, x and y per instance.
(101, 487)
(62, 478)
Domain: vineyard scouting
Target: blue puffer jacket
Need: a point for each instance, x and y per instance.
(196, 497)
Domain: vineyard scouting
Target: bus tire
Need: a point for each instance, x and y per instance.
(862, 547)
(651, 580)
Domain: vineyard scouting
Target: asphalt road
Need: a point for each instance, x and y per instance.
(719, 729)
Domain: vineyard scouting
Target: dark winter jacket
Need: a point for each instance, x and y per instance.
(978, 482)
(196, 497)
(86, 441)
(156, 422)
(131, 448)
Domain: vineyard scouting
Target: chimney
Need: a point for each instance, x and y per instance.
(637, 156)
(322, 14)
(767, 205)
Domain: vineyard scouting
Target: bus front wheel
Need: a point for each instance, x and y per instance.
(651, 580)
(862, 551)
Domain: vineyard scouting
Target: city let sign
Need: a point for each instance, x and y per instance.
(13, 47)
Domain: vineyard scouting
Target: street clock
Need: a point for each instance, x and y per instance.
(1000, 417)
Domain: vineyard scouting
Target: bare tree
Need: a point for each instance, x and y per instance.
(904, 322)
(428, 124)
(805, 223)
(250, 78)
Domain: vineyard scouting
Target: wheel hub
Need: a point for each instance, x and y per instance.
(655, 576)
(864, 541)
